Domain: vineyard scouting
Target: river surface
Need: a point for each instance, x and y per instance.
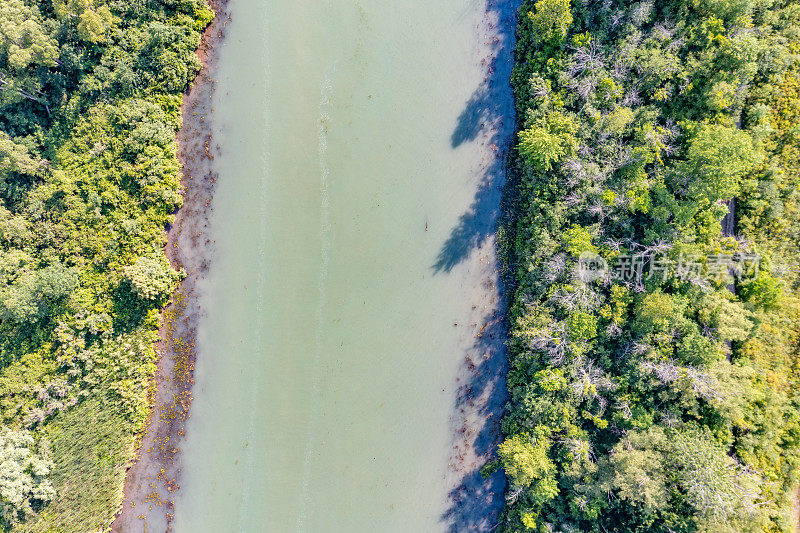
(352, 266)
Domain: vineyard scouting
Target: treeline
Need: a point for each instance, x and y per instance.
(90, 94)
(653, 356)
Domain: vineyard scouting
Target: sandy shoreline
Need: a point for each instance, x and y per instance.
(152, 479)
(475, 503)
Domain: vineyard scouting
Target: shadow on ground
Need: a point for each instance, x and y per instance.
(488, 118)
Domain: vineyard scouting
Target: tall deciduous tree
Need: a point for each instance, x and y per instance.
(716, 160)
(26, 42)
(93, 18)
(551, 19)
(23, 476)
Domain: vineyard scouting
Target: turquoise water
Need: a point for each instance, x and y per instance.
(329, 350)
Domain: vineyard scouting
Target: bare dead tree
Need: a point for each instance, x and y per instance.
(613, 330)
(702, 385)
(579, 448)
(669, 420)
(631, 97)
(572, 166)
(582, 295)
(585, 87)
(573, 199)
(597, 209)
(614, 244)
(620, 71)
(624, 409)
(641, 13)
(717, 490)
(554, 267)
(616, 18)
(6, 85)
(587, 59)
(513, 494)
(541, 90)
(664, 30)
(589, 380)
(552, 342)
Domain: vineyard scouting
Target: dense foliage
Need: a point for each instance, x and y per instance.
(90, 94)
(666, 401)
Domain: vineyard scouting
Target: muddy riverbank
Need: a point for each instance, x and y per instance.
(153, 478)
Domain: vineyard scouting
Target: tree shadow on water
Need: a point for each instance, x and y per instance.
(488, 117)
(475, 502)
(472, 119)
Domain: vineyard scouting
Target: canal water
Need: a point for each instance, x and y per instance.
(353, 266)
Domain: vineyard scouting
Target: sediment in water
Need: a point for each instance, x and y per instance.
(474, 502)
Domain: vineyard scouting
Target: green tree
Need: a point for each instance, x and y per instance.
(763, 291)
(24, 471)
(93, 17)
(26, 41)
(716, 160)
(548, 140)
(526, 463)
(32, 293)
(635, 469)
(151, 278)
(578, 240)
(551, 19)
(24, 38)
(729, 318)
(15, 158)
(582, 326)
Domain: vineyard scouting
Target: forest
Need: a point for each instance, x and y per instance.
(90, 95)
(650, 244)
(652, 253)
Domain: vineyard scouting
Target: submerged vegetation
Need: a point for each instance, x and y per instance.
(654, 347)
(90, 94)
